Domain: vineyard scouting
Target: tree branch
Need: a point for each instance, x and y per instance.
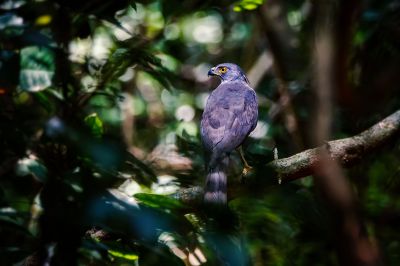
(347, 151)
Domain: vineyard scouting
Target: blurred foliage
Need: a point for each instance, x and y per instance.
(247, 5)
(101, 95)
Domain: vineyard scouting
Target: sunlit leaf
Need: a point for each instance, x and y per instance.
(159, 201)
(118, 254)
(247, 5)
(43, 20)
(95, 124)
(31, 165)
(37, 68)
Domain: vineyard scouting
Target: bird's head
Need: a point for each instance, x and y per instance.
(228, 72)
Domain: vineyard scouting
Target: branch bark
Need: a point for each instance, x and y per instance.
(347, 151)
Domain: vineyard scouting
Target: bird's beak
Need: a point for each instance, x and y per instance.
(211, 72)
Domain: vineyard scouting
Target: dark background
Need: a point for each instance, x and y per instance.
(100, 104)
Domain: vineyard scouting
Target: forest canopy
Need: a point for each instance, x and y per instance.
(101, 160)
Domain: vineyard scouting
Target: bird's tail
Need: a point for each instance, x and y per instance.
(215, 188)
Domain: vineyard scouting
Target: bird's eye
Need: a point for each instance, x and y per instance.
(222, 70)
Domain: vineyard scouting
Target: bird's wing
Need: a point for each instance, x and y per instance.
(245, 118)
(230, 115)
(250, 115)
(214, 122)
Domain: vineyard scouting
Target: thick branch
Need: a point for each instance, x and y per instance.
(347, 151)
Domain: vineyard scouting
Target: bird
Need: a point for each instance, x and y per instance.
(230, 115)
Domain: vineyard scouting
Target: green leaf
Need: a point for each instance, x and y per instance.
(44, 100)
(133, 52)
(95, 124)
(118, 254)
(247, 5)
(159, 201)
(37, 68)
(31, 165)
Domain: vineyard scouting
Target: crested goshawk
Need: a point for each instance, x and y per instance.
(230, 115)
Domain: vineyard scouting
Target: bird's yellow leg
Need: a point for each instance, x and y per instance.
(247, 168)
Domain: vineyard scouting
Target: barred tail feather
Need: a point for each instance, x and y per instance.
(215, 188)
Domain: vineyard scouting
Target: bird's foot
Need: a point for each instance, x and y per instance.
(246, 170)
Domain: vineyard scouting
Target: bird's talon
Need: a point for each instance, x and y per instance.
(246, 170)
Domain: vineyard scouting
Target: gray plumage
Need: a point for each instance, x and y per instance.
(229, 116)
